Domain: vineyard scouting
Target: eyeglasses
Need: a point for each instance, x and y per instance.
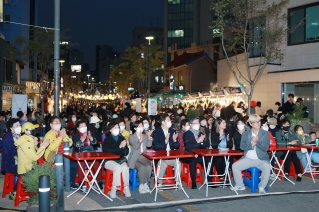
(255, 122)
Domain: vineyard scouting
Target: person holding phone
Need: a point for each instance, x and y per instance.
(285, 136)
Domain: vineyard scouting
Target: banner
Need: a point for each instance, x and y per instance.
(19, 103)
(152, 107)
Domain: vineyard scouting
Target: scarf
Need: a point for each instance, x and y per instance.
(87, 141)
(195, 132)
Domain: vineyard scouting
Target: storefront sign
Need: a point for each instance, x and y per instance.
(220, 92)
(235, 90)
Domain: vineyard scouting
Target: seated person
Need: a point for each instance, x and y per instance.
(183, 126)
(136, 160)
(195, 139)
(315, 154)
(284, 136)
(165, 138)
(220, 139)
(116, 144)
(82, 138)
(301, 135)
(255, 143)
(28, 152)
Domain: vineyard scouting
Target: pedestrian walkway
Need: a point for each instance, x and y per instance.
(282, 195)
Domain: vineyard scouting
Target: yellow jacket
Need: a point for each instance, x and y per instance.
(126, 134)
(54, 143)
(28, 153)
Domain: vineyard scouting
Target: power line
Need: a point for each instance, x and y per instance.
(10, 22)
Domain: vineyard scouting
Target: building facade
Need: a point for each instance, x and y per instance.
(105, 60)
(298, 73)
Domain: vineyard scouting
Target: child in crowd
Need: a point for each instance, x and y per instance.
(315, 154)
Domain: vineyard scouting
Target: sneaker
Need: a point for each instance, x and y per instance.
(127, 191)
(113, 192)
(238, 188)
(272, 177)
(74, 186)
(298, 179)
(146, 188)
(100, 183)
(159, 185)
(262, 191)
(141, 189)
(12, 196)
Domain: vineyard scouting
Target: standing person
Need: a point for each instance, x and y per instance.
(255, 143)
(116, 144)
(9, 150)
(220, 139)
(258, 109)
(288, 106)
(279, 109)
(3, 124)
(229, 110)
(127, 110)
(285, 136)
(192, 112)
(216, 111)
(57, 137)
(194, 139)
(136, 160)
(210, 108)
(165, 138)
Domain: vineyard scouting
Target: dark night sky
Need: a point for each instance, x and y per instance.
(102, 22)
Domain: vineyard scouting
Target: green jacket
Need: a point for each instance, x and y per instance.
(283, 140)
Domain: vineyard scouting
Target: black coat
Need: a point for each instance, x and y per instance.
(112, 146)
(191, 143)
(215, 140)
(159, 139)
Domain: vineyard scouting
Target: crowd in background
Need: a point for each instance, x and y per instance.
(33, 137)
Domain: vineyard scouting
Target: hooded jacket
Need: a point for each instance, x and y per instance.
(28, 153)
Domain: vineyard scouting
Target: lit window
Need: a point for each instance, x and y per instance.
(176, 33)
(156, 79)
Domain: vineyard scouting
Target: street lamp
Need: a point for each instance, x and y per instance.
(61, 82)
(149, 67)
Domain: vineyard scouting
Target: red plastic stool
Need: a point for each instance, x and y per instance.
(185, 175)
(8, 184)
(169, 173)
(292, 171)
(109, 181)
(21, 193)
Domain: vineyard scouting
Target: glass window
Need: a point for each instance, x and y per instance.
(156, 79)
(309, 32)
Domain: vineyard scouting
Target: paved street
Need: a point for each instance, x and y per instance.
(282, 196)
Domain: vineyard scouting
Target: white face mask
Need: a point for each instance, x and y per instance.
(17, 130)
(139, 129)
(272, 126)
(146, 126)
(116, 132)
(179, 111)
(240, 126)
(196, 126)
(169, 124)
(73, 119)
(57, 127)
(187, 128)
(265, 128)
(203, 123)
(83, 129)
(122, 128)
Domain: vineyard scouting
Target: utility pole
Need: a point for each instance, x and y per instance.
(149, 67)
(56, 56)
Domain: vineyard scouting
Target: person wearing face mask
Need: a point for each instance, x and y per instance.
(9, 150)
(139, 142)
(220, 139)
(273, 126)
(184, 127)
(71, 124)
(194, 139)
(27, 149)
(203, 126)
(236, 135)
(123, 131)
(265, 127)
(57, 137)
(146, 124)
(116, 144)
(83, 142)
(165, 138)
(285, 136)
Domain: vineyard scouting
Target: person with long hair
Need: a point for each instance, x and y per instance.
(139, 142)
(116, 144)
(184, 127)
(220, 139)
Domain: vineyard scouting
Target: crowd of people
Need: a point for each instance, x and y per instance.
(129, 134)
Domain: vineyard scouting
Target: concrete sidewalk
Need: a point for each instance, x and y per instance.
(281, 196)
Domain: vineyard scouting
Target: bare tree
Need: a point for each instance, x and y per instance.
(251, 32)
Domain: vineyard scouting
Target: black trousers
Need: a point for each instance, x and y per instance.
(220, 164)
(291, 157)
(192, 166)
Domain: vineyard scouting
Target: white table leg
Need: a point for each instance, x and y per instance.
(227, 175)
(178, 177)
(280, 169)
